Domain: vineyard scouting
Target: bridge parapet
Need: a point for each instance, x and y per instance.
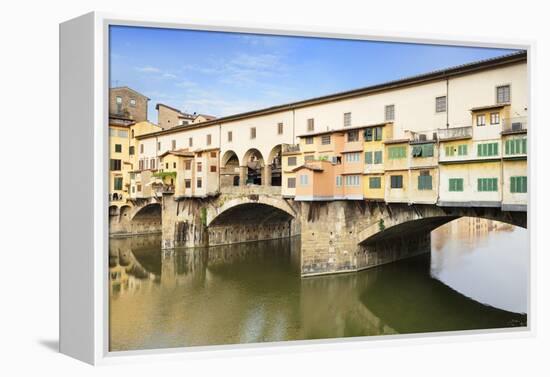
(251, 190)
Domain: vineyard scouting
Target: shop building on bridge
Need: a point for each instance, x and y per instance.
(451, 137)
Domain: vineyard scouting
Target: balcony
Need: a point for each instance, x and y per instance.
(514, 125)
(455, 133)
(291, 148)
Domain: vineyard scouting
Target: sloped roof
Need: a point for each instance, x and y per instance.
(441, 74)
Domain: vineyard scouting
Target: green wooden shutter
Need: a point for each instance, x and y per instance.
(524, 145)
(368, 157)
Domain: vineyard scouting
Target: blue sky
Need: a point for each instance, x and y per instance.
(227, 73)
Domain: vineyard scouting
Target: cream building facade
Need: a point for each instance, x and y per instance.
(423, 118)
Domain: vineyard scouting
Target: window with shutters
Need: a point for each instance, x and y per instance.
(487, 184)
(309, 140)
(495, 118)
(199, 182)
(118, 148)
(199, 166)
(515, 146)
(503, 94)
(377, 133)
(396, 181)
(338, 180)
(441, 104)
(518, 184)
(117, 183)
(115, 165)
(395, 153)
(229, 136)
(368, 158)
(389, 112)
(291, 182)
(187, 164)
(368, 134)
(325, 139)
(153, 163)
(378, 157)
(480, 120)
(375, 182)
(423, 150)
(190, 141)
(347, 119)
(208, 139)
(138, 187)
(352, 180)
(279, 128)
(353, 136)
(463, 150)
(449, 151)
(187, 183)
(213, 168)
(131, 150)
(253, 132)
(456, 184)
(309, 157)
(352, 157)
(291, 161)
(487, 149)
(424, 180)
(140, 164)
(310, 124)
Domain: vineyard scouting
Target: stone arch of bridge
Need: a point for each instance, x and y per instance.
(147, 211)
(251, 209)
(405, 220)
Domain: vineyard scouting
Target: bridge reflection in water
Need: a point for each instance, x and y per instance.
(253, 292)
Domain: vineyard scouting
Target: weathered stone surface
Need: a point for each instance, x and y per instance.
(336, 236)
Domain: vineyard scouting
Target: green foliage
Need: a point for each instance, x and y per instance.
(162, 174)
(323, 158)
(381, 225)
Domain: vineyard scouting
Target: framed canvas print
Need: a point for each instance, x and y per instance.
(245, 188)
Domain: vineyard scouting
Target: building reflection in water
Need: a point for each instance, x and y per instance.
(253, 292)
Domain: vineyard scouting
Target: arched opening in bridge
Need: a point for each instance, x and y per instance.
(113, 211)
(230, 169)
(250, 222)
(274, 164)
(254, 163)
(470, 254)
(148, 219)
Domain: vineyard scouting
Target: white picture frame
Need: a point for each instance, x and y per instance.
(84, 46)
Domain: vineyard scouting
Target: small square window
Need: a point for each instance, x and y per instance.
(503, 94)
(133, 102)
(390, 112)
(441, 104)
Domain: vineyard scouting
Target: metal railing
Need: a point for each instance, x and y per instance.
(517, 124)
(291, 148)
(455, 133)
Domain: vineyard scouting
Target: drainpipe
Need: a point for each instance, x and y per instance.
(447, 102)
(219, 156)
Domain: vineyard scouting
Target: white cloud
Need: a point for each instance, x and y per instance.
(148, 69)
(167, 75)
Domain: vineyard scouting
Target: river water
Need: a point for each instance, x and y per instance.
(476, 277)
